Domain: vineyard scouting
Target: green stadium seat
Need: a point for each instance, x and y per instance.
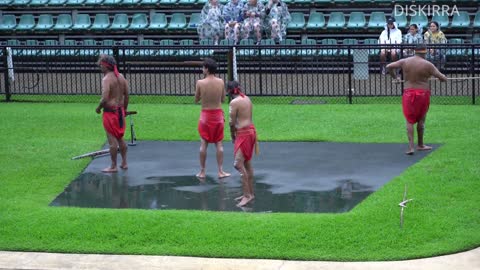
(20, 3)
(139, 22)
(476, 20)
(110, 43)
(45, 22)
(64, 22)
(461, 20)
(356, 20)
(50, 52)
(186, 2)
(56, 2)
(307, 52)
(456, 52)
(149, 2)
(120, 22)
(27, 22)
(93, 2)
(297, 21)
(168, 2)
(186, 52)
(206, 52)
(4, 3)
(342, 1)
(372, 41)
(247, 52)
(147, 52)
(169, 51)
(289, 51)
(13, 42)
(195, 19)
(227, 42)
(442, 20)
(177, 22)
(201, 2)
(336, 20)
(130, 2)
(267, 42)
(8, 22)
(329, 51)
(30, 51)
(302, 2)
(377, 20)
(401, 20)
(38, 3)
(126, 44)
(348, 41)
(81, 22)
(73, 3)
(69, 51)
(101, 22)
(316, 20)
(420, 20)
(158, 21)
(112, 2)
(88, 52)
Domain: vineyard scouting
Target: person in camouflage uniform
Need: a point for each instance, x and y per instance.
(211, 25)
(232, 15)
(277, 19)
(253, 14)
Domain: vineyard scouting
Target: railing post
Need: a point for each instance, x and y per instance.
(472, 72)
(8, 94)
(349, 75)
(230, 64)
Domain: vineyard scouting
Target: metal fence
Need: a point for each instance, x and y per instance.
(300, 74)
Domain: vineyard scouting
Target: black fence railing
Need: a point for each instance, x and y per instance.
(299, 74)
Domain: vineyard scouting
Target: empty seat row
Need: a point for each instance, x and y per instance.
(357, 20)
(101, 22)
(112, 3)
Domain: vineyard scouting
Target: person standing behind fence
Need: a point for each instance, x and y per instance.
(277, 19)
(244, 137)
(412, 37)
(232, 15)
(211, 25)
(114, 103)
(253, 14)
(435, 36)
(210, 91)
(391, 35)
(416, 95)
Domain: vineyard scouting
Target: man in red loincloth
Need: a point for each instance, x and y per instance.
(211, 92)
(114, 103)
(244, 137)
(416, 95)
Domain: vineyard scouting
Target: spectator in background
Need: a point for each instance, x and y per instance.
(412, 37)
(253, 13)
(435, 36)
(232, 15)
(391, 35)
(277, 19)
(211, 25)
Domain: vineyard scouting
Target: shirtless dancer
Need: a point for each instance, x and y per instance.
(114, 103)
(244, 137)
(211, 92)
(416, 95)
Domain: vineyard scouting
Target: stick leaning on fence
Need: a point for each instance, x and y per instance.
(449, 79)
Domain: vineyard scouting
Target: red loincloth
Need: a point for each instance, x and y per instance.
(245, 140)
(415, 103)
(114, 121)
(211, 124)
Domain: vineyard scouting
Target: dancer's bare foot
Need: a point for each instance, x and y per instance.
(201, 175)
(110, 170)
(124, 166)
(223, 174)
(424, 148)
(239, 198)
(410, 152)
(245, 200)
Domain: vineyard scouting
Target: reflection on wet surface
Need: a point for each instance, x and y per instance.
(187, 192)
(289, 177)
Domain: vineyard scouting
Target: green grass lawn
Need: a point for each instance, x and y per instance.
(38, 140)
